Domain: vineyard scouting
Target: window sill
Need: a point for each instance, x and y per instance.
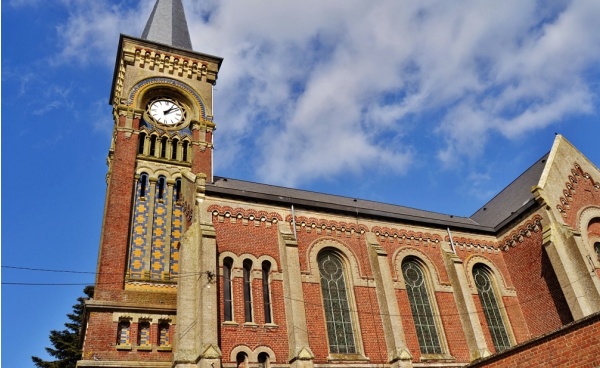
(441, 358)
(144, 348)
(123, 347)
(164, 348)
(347, 358)
(270, 325)
(250, 324)
(230, 324)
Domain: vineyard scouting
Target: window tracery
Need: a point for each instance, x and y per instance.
(340, 330)
(421, 307)
(485, 289)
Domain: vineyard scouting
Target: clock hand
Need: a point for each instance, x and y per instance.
(166, 112)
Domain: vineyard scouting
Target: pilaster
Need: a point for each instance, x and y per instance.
(300, 354)
(398, 354)
(467, 312)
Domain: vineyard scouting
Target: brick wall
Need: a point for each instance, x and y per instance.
(574, 345)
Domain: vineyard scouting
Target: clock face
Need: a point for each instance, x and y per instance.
(165, 112)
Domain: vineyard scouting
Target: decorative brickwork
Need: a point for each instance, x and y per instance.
(580, 190)
(534, 225)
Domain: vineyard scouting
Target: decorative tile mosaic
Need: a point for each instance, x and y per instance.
(139, 229)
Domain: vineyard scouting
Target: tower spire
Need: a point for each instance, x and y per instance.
(167, 25)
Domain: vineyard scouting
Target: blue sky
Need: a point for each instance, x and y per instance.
(436, 105)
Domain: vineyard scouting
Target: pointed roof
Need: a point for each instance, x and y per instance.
(167, 25)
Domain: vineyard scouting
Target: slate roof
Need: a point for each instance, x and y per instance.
(350, 206)
(513, 200)
(167, 25)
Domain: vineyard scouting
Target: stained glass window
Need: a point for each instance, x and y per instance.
(491, 310)
(420, 306)
(337, 308)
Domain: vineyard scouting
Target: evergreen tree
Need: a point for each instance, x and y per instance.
(66, 342)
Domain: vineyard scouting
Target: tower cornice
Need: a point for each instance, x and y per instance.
(162, 59)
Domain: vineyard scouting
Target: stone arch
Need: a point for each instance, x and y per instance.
(405, 252)
(588, 223)
(343, 251)
(146, 89)
(501, 283)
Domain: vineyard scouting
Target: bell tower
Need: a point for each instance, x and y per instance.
(161, 99)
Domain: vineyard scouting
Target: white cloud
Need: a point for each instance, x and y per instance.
(314, 89)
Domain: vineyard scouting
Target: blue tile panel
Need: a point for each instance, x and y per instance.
(139, 229)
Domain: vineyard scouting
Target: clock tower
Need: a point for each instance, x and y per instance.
(161, 149)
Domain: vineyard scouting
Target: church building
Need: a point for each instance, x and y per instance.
(197, 270)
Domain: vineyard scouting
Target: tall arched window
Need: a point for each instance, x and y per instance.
(248, 290)
(164, 339)
(597, 249)
(263, 360)
(337, 308)
(174, 144)
(163, 147)
(227, 302)
(266, 270)
(485, 288)
(420, 307)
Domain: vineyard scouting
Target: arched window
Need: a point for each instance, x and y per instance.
(337, 308)
(124, 332)
(174, 144)
(143, 184)
(485, 288)
(177, 190)
(263, 360)
(141, 143)
(248, 290)
(597, 249)
(163, 147)
(227, 302)
(160, 190)
(242, 360)
(420, 307)
(164, 339)
(185, 151)
(144, 334)
(266, 270)
(152, 145)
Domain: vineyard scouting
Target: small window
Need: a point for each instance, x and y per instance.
(597, 249)
(141, 143)
(174, 145)
(185, 151)
(266, 270)
(153, 145)
(491, 309)
(248, 290)
(143, 184)
(164, 339)
(263, 360)
(161, 187)
(242, 360)
(227, 302)
(144, 334)
(163, 147)
(124, 333)
(177, 190)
